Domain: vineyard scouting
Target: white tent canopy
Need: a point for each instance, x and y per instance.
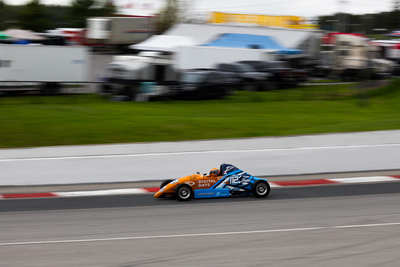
(306, 40)
(164, 43)
(205, 33)
(23, 34)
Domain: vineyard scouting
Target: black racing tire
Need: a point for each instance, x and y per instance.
(183, 192)
(164, 183)
(261, 189)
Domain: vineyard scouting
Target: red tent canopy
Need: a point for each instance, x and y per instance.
(396, 46)
(329, 38)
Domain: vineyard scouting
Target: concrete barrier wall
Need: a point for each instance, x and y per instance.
(306, 154)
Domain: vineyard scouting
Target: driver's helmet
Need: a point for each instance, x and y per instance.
(215, 172)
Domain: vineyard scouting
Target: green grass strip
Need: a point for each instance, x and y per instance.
(29, 121)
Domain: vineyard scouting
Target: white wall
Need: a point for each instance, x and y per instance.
(168, 160)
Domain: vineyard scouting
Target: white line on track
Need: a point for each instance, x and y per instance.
(198, 152)
(124, 191)
(203, 234)
(372, 179)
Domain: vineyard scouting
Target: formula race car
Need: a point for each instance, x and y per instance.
(223, 182)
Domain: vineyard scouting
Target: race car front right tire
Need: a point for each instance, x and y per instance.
(183, 192)
(260, 189)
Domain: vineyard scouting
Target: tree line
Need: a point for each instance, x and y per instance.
(39, 18)
(375, 23)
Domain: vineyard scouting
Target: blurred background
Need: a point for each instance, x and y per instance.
(289, 54)
(296, 41)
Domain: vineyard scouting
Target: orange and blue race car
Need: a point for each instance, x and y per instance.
(226, 181)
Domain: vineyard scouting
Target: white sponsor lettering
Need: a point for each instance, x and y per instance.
(229, 168)
(206, 194)
(205, 183)
(234, 180)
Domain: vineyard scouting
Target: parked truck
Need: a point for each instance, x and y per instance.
(126, 75)
(147, 74)
(192, 57)
(119, 31)
(352, 56)
(24, 67)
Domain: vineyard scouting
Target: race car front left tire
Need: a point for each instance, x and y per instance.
(261, 189)
(183, 192)
(164, 183)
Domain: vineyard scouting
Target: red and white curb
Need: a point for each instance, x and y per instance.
(132, 191)
(109, 192)
(355, 180)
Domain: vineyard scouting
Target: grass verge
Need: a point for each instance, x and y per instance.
(91, 119)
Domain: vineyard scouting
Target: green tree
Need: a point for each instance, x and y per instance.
(83, 9)
(8, 16)
(394, 19)
(58, 16)
(3, 12)
(327, 22)
(171, 14)
(34, 16)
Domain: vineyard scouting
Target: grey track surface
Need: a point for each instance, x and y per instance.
(300, 228)
(273, 156)
(149, 184)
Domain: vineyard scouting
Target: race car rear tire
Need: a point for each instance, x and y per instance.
(260, 189)
(183, 192)
(164, 183)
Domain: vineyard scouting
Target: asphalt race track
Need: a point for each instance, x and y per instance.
(335, 225)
